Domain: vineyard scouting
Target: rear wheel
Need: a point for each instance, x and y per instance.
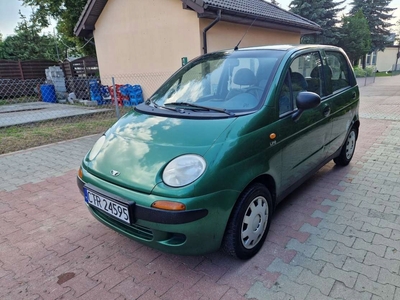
(347, 152)
(249, 222)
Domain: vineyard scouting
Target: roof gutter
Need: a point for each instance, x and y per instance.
(208, 28)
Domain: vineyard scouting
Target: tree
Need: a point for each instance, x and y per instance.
(324, 13)
(356, 37)
(67, 13)
(28, 42)
(378, 15)
(274, 2)
(398, 32)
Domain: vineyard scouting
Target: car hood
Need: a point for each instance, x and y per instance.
(139, 146)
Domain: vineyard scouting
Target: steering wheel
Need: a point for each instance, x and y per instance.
(255, 91)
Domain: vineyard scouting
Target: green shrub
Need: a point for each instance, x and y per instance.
(368, 71)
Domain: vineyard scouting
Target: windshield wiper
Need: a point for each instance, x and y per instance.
(148, 101)
(221, 110)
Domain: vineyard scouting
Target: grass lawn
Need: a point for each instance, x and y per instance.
(384, 74)
(21, 137)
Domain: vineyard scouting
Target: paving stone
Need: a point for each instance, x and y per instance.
(342, 212)
(333, 236)
(352, 232)
(345, 221)
(347, 277)
(313, 265)
(284, 284)
(371, 272)
(324, 285)
(392, 253)
(363, 218)
(306, 250)
(380, 240)
(381, 215)
(363, 245)
(322, 243)
(315, 294)
(395, 235)
(318, 214)
(320, 232)
(351, 199)
(340, 291)
(384, 291)
(386, 277)
(332, 226)
(373, 260)
(366, 205)
(279, 266)
(333, 203)
(259, 292)
(336, 260)
(386, 232)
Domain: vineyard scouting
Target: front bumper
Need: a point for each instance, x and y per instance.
(190, 232)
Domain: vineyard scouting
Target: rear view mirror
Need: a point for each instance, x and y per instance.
(305, 100)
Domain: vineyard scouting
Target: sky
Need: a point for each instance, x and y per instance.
(9, 16)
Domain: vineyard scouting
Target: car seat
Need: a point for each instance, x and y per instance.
(243, 77)
(315, 82)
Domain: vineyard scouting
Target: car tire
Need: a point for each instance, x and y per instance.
(347, 152)
(249, 222)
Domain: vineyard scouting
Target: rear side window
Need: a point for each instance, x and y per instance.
(339, 76)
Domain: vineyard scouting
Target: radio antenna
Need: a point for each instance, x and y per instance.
(248, 28)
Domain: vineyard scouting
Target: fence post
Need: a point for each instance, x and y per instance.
(115, 98)
(20, 70)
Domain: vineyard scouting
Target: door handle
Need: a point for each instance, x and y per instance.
(326, 111)
(353, 96)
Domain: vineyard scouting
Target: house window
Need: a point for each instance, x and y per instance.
(374, 54)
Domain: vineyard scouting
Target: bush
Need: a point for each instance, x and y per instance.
(368, 71)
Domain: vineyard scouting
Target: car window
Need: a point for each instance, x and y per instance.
(339, 69)
(303, 75)
(232, 81)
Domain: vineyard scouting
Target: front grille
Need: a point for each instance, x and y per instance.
(134, 229)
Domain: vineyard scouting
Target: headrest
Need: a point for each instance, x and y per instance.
(326, 69)
(244, 77)
(299, 79)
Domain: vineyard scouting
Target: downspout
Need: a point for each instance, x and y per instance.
(208, 28)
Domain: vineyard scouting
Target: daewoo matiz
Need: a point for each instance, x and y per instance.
(206, 159)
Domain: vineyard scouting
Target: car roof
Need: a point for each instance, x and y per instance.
(288, 47)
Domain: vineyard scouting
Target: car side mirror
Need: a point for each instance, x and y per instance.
(305, 100)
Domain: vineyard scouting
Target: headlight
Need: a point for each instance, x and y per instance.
(184, 170)
(96, 147)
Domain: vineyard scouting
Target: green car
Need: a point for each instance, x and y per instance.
(203, 163)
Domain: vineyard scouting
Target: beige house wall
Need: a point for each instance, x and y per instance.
(386, 59)
(137, 38)
(143, 41)
(226, 35)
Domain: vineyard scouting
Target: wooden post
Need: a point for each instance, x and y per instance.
(20, 70)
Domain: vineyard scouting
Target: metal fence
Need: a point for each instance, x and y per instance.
(36, 111)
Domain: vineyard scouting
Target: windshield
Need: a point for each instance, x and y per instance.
(224, 81)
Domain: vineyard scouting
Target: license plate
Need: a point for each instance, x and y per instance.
(108, 205)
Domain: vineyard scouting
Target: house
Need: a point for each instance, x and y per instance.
(146, 41)
(384, 61)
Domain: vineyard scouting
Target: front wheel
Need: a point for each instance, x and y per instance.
(249, 222)
(346, 154)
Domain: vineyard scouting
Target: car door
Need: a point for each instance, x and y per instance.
(341, 97)
(302, 141)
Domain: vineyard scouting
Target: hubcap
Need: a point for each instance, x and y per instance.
(254, 222)
(350, 144)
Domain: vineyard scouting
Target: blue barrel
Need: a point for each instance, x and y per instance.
(48, 93)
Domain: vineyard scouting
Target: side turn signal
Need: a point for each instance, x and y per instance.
(168, 205)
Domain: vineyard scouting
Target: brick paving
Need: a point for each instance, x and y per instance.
(336, 237)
